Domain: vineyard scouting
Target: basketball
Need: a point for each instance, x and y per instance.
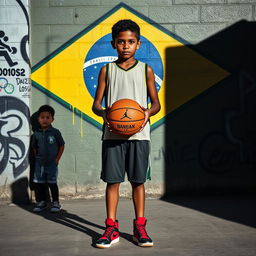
(125, 117)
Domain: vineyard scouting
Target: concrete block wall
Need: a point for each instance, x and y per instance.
(53, 22)
(193, 20)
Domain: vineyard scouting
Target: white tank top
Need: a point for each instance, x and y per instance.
(126, 84)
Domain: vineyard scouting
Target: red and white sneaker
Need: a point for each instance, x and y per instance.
(110, 236)
(140, 235)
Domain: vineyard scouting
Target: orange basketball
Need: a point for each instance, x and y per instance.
(125, 117)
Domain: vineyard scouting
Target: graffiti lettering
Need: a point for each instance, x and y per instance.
(217, 154)
(24, 88)
(22, 81)
(12, 72)
(178, 153)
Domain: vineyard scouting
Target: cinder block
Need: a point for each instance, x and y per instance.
(4, 16)
(88, 167)
(198, 32)
(52, 15)
(60, 33)
(159, 131)
(11, 2)
(159, 2)
(12, 15)
(40, 50)
(67, 164)
(39, 3)
(65, 124)
(226, 13)
(157, 140)
(42, 99)
(39, 33)
(66, 178)
(88, 162)
(14, 2)
(170, 27)
(76, 143)
(90, 14)
(74, 2)
(242, 1)
(66, 168)
(174, 14)
(199, 1)
(15, 33)
(133, 3)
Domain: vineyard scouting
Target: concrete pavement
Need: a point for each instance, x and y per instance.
(212, 226)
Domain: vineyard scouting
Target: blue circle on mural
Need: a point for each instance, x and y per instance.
(102, 53)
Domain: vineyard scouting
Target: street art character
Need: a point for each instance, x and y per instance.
(6, 49)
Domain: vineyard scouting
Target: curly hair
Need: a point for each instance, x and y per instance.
(46, 108)
(125, 25)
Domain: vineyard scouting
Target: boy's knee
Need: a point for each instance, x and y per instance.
(137, 184)
(113, 185)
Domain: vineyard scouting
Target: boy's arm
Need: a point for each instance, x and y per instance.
(60, 152)
(155, 104)
(97, 107)
(34, 152)
(33, 145)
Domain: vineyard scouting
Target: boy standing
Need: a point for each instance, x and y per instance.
(125, 78)
(47, 145)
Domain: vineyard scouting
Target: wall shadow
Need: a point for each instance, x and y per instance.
(19, 191)
(210, 133)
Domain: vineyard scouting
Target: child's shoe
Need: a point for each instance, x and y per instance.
(140, 235)
(110, 236)
(56, 207)
(40, 206)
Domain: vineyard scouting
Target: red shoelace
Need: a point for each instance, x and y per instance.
(108, 231)
(141, 229)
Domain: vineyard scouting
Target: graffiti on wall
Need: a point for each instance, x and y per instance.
(14, 93)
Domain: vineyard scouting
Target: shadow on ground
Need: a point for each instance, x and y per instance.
(73, 221)
(239, 208)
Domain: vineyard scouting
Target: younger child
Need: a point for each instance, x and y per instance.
(133, 79)
(47, 145)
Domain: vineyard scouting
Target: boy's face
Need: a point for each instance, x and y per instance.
(45, 119)
(126, 44)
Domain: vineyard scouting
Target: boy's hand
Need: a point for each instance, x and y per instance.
(147, 115)
(104, 116)
(61, 149)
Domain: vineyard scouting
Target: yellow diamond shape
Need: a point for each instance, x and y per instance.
(61, 74)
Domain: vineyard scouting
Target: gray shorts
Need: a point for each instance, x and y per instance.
(45, 173)
(125, 156)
